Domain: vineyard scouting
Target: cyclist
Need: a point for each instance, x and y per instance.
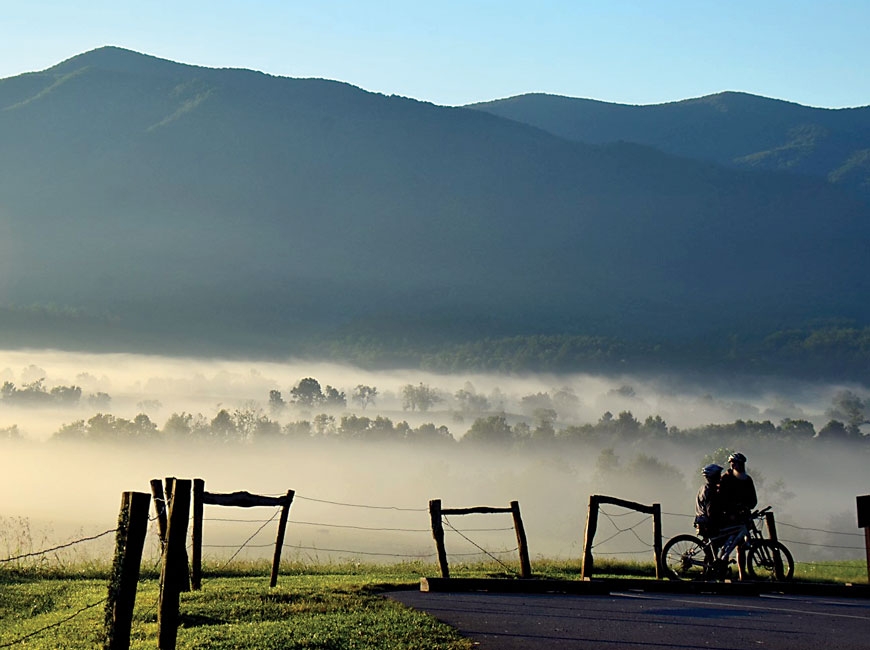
(707, 510)
(737, 498)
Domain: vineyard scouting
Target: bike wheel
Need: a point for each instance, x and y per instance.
(769, 560)
(685, 557)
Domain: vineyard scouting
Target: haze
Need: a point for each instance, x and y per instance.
(65, 489)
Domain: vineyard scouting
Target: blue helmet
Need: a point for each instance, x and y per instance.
(711, 470)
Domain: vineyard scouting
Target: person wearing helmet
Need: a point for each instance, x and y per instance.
(707, 502)
(737, 498)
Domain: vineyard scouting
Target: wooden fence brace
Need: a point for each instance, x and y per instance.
(438, 534)
(595, 501)
(160, 508)
(196, 535)
(591, 527)
(525, 564)
(174, 575)
(239, 499)
(436, 511)
(279, 541)
(129, 543)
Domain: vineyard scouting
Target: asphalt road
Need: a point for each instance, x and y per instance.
(635, 620)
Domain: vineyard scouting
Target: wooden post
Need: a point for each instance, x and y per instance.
(867, 548)
(196, 535)
(657, 538)
(279, 541)
(438, 534)
(863, 503)
(771, 525)
(160, 508)
(174, 575)
(525, 565)
(129, 543)
(591, 527)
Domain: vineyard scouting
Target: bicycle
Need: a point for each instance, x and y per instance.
(687, 557)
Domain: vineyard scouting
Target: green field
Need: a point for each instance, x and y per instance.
(334, 606)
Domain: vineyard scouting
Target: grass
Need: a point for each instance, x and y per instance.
(326, 607)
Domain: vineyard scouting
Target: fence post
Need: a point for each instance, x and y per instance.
(160, 508)
(196, 535)
(657, 538)
(438, 534)
(525, 565)
(863, 504)
(174, 575)
(591, 527)
(279, 541)
(129, 542)
(771, 526)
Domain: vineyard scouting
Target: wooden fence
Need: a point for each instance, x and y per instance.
(436, 511)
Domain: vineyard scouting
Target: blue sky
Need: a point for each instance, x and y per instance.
(455, 52)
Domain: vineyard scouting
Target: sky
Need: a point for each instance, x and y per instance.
(455, 52)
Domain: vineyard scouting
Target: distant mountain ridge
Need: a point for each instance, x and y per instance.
(731, 128)
(147, 202)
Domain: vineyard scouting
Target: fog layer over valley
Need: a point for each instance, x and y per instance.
(545, 441)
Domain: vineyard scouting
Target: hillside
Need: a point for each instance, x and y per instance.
(150, 204)
(730, 128)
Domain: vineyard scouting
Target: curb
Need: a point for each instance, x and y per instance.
(605, 586)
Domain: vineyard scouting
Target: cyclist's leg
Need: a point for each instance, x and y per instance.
(741, 561)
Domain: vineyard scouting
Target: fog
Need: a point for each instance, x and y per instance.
(368, 501)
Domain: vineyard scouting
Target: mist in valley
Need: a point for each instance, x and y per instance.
(367, 499)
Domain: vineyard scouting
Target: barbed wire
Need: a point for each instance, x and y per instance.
(473, 543)
(792, 541)
(820, 530)
(58, 548)
(349, 552)
(30, 635)
(245, 543)
(630, 529)
(358, 505)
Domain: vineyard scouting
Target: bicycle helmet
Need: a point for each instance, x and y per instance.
(736, 457)
(711, 470)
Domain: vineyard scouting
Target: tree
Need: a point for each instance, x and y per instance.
(420, 397)
(307, 392)
(222, 426)
(364, 395)
(10, 433)
(654, 426)
(490, 430)
(66, 394)
(797, 428)
(333, 397)
(324, 425)
(834, 430)
(627, 425)
(276, 402)
(470, 401)
(849, 408)
(178, 425)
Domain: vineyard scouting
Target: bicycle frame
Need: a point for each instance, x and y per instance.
(735, 536)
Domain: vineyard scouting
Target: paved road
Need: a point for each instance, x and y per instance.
(649, 621)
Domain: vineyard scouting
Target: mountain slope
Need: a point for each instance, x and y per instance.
(164, 204)
(735, 129)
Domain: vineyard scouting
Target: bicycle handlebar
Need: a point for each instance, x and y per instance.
(758, 513)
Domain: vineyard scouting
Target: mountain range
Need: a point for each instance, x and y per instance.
(730, 128)
(156, 205)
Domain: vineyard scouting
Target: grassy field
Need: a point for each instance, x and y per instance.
(335, 606)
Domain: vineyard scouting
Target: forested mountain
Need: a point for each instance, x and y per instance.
(730, 128)
(150, 204)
